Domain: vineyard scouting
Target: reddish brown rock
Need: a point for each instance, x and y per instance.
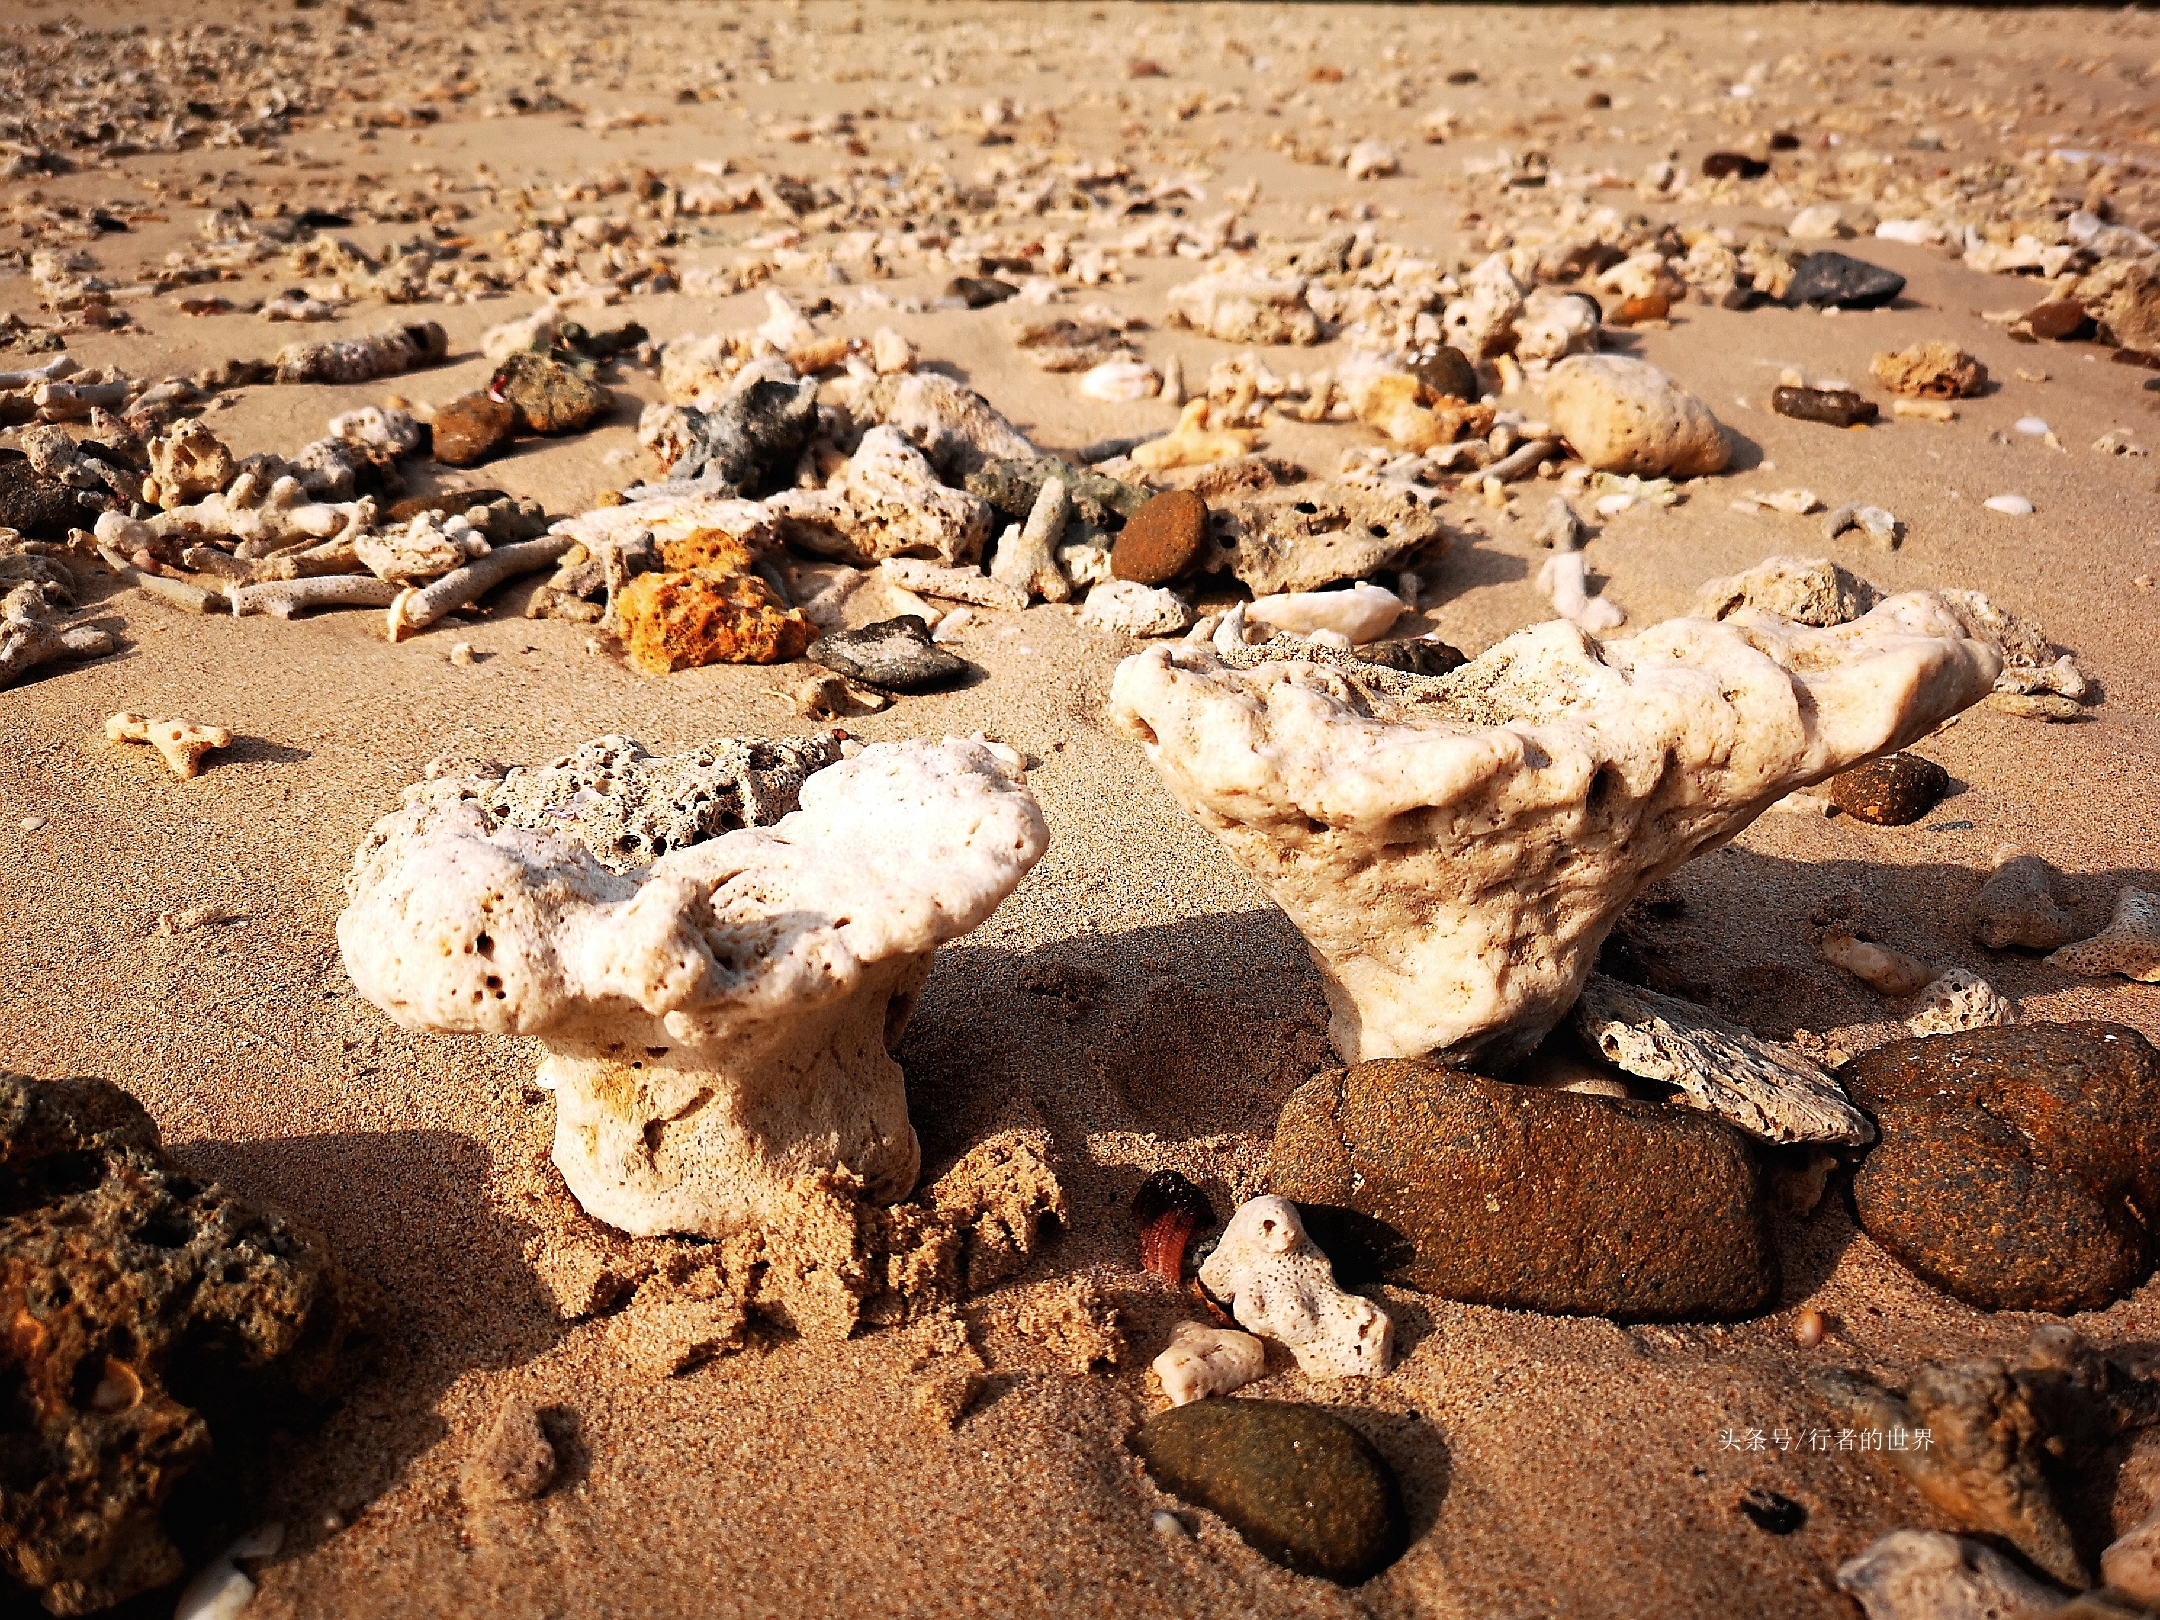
(2019, 1166)
(1162, 540)
(1890, 792)
(2058, 320)
(704, 616)
(471, 428)
(119, 1269)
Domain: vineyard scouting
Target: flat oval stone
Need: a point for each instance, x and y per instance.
(2019, 1166)
(1300, 1485)
(894, 654)
(2058, 320)
(1162, 540)
(1891, 792)
(1447, 371)
(1839, 407)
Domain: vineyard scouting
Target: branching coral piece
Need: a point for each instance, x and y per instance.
(723, 1020)
(1455, 849)
(182, 742)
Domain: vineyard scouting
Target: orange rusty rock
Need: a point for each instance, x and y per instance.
(704, 616)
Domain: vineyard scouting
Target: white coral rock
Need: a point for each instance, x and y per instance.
(1240, 307)
(1456, 850)
(1369, 160)
(724, 1019)
(887, 503)
(1126, 607)
(1363, 613)
(1281, 1286)
(2129, 945)
(1203, 1361)
(1960, 999)
(1624, 415)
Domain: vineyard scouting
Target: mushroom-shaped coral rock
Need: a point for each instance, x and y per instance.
(1455, 848)
(723, 1019)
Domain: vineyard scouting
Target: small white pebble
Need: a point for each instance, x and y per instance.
(1167, 1523)
(2015, 505)
(32, 823)
(461, 654)
(2030, 426)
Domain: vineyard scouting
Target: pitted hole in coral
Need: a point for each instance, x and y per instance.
(495, 984)
(166, 1231)
(1605, 785)
(1306, 507)
(484, 943)
(57, 1175)
(1316, 828)
(1377, 530)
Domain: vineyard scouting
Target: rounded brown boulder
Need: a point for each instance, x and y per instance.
(471, 428)
(2019, 1166)
(1891, 792)
(1162, 540)
(1529, 1198)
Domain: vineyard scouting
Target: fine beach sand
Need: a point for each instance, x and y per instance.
(1551, 1467)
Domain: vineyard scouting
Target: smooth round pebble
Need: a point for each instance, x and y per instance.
(1300, 1485)
(1166, 1523)
(2031, 426)
(1891, 792)
(1162, 540)
(2015, 505)
(1808, 1329)
(32, 823)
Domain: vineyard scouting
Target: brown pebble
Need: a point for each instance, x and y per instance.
(1808, 1329)
(470, 429)
(1162, 540)
(1649, 307)
(1837, 407)
(2059, 320)
(1890, 792)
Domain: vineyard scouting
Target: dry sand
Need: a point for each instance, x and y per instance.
(1552, 1466)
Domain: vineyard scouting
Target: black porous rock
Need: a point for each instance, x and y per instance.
(1838, 279)
(1733, 166)
(1098, 500)
(1418, 656)
(1835, 407)
(752, 439)
(37, 507)
(895, 655)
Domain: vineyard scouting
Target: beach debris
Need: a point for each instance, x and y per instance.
(1165, 539)
(1835, 407)
(1806, 590)
(32, 633)
(1304, 535)
(2131, 1563)
(2015, 906)
(2011, 505)
(38, 507)
(970, 585)
(1960, 999)
(1204, 1360)
(2031, 665)
(1445, 371)
(1878, 524)
(1339, 777)
(2017, 1163)
(1928, 1575)
(1481, 1205)
(894, 655)
(674, 621)
(1241, 307)
(1922, 410)
(180, 743)
(1169, 1210)
(1798, 502)
(1121, 381)
(1193, 442)
(751, 438)
(189, 919)
(948, 421)
(287, 598)
(547, 396)
(456, 923)
(1935, 369)
(1624, 415)
(1026, 556)
(415, 608)
(1369, 160)
(1279, 1285)
(2129, 945)
(1893, 791)
(886, 502)
(102, 1318)
(1299, 1485)
(391, 352)
(1074, 1322)
(514, 1461)
(1772, 1092)
(1362, 613)
(1565, 580)
(221, 1590)
(1829, 280)
(1809, 1327)
(1126, 608)
(1889, 972)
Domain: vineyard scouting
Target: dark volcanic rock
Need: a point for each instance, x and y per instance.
(2019, 1166)
(1098, 500)
(1894, 791)
(548, 396)
(1733, 166)
(1838, 278)
(1165, 538)
(979, 292)
(36, 507)
(1838, 407)
(471, 428)
(1536, 1199)
(1300, 1485)
(1446, 371)
(752, 438)
(152, 1317)
(895, 654)
(1414, 657)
